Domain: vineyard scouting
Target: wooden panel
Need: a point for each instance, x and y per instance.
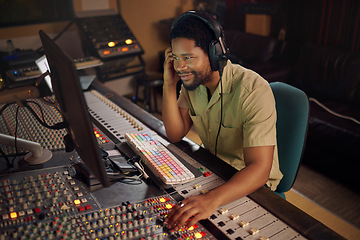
(259, 24)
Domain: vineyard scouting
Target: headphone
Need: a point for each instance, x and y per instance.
(218, 52)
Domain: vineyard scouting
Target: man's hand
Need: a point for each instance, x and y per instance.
(258, 164)
(170, 75)
(190, 211)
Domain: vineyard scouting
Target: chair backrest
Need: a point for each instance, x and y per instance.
(292, 108)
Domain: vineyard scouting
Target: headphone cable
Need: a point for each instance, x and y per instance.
(221, 112)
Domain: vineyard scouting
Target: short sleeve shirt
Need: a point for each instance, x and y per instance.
(248, 117)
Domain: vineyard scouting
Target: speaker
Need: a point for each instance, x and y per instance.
(218, 52)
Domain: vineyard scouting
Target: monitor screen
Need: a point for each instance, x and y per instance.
(43, 66)
(69, 95)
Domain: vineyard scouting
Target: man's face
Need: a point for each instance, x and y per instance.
(191, 63)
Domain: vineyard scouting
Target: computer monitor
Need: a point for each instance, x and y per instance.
(68, 93)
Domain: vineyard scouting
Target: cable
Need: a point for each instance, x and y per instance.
(140, 167)
(4, 107)
(8, 163)
(221, 112)
(118, 174)
(334, 113)
(60, 33)
(56, 126)
(15, 135)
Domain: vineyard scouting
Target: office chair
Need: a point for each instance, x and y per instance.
(292, 108)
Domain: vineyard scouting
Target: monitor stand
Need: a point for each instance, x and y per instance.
(37, 154)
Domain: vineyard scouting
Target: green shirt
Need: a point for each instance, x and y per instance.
(249, 117)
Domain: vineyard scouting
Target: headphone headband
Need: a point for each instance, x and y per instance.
(206, 18)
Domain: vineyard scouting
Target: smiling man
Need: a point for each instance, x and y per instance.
(232, 109)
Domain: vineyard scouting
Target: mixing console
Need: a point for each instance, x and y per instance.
(112, 117)
(50, 204)
(27, 127)
(53, 204)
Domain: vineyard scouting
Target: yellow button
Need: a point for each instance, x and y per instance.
(13, 215)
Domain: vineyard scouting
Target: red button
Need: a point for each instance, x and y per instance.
(206, 174)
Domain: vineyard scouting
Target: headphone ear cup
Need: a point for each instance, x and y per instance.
(212, 56)
(215, 55)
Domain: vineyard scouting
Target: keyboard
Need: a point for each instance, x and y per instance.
(159, 159)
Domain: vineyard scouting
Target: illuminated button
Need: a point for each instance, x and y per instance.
(128, 41)
(124, 49)
(106, 52)
(77, 202)
(162, 200)
(111, 44)
(206, 174)
(195, 226)
(168, 206)
(199, 235)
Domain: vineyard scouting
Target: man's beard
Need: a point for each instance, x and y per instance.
(199, 79)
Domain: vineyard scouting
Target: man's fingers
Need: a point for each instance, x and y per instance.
(187, 213)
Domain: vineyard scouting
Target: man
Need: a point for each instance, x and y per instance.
(231, 108)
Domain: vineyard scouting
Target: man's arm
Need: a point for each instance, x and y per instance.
(176, 120)
(258, 162)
